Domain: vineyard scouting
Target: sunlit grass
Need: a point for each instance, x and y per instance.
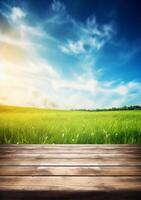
(28, 125)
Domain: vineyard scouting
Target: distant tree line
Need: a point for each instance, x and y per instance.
(135, 107)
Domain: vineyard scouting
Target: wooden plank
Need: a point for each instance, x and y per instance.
(69, 171)
(80, 156)
(65, 183)
(71, 151)
(71, 162)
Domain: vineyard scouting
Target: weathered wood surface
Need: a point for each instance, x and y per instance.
(88, 172)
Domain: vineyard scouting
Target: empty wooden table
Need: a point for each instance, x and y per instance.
(88, 172)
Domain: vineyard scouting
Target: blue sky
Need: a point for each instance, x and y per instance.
(70, 54)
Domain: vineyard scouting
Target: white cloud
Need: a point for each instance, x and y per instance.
(73, 47)
(122, 90)
(17, 13)
(83, 85)
(29, 30)
(79, 38)
(57, 6)
(89, 37)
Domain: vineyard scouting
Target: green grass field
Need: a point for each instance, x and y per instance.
(28, 125)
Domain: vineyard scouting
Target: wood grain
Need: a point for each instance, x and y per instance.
(70, 155)
(71, 162)
(69, 171)
(70, 183)
(71, 151)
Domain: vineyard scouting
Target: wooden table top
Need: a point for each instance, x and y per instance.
(70, 172)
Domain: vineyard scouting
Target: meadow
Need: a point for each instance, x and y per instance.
(41, 126)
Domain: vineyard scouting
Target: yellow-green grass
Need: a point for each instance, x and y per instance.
(41, 126)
